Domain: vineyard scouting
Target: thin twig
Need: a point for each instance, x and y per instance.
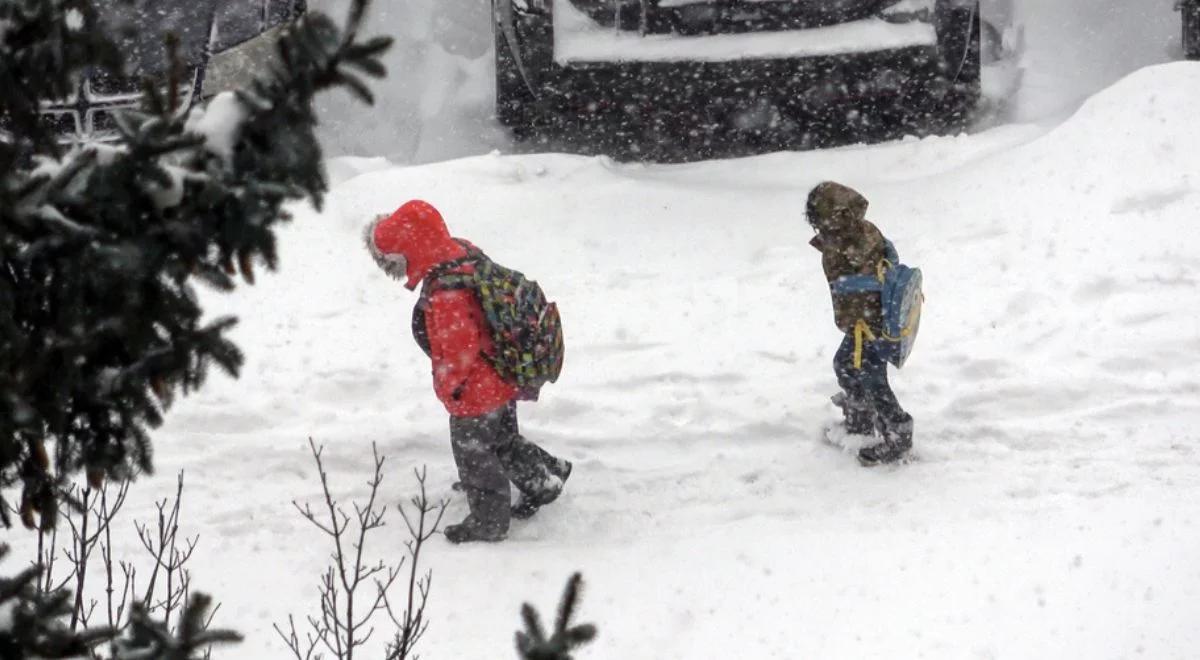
(346, 614)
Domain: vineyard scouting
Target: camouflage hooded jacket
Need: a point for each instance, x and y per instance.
(849, 245)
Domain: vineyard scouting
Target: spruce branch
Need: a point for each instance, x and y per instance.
(149, 639)
(37, 629)
(534, 644)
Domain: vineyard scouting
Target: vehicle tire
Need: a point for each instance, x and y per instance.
(959, 41)
(514, 101)
(960, 47)
(1191, 30)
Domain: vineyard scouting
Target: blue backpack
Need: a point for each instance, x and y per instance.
(899, 288)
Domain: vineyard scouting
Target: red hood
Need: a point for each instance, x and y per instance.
(416, 231)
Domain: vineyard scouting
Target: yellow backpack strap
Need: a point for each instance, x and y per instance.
(862, 332)
(881, 269)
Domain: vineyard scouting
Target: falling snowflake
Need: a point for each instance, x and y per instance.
(74, 20)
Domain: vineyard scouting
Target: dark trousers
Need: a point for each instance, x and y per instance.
(867, 390)
(490, 452)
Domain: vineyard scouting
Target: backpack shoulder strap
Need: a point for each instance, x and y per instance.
(473, 253)
(441, 277)
(851, 284)
(890, 253)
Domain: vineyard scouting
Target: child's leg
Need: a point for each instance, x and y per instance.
(533, 470)
(894, 424)
(474, 441)
(856, 409)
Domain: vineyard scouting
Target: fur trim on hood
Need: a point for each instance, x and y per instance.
(395, 265)
(835, 209)
(408, 243)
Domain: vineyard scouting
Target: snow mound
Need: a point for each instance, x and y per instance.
(1144, 124)
(340, 170)
(436, 102)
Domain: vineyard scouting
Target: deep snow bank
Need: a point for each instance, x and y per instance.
(1055, 508)
(1074, 48)
(436, 102)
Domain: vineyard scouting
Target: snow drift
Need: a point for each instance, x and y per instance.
(1074, 48)
(436, 102)
(1053, 511)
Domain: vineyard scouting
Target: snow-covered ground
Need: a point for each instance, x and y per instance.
(1054, 510)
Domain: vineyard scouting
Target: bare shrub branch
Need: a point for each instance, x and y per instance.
(422, 524)
(91, 513)
(347, 608)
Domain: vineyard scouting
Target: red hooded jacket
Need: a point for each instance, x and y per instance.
(409, 244)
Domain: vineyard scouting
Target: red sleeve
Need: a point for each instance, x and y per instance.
(454, 341)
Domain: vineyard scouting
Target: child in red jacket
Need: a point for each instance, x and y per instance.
(412, 245)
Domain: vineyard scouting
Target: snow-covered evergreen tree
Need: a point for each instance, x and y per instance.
(101, 246)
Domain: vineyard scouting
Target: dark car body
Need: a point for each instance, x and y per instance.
(221, 43)
(685, 78)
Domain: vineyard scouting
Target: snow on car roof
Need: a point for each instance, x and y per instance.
(578, 40)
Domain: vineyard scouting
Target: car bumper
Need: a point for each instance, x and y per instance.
(578, 41)
(723, 91)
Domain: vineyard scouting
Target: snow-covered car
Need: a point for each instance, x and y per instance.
(221, 45)
(780, 72)
(1190, 10)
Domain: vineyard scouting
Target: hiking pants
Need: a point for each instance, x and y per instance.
(867, 387)
(490, 452)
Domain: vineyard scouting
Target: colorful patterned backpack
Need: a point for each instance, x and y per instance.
(526, 329)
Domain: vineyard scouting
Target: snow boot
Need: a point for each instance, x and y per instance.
(527, 505)
(882, 453)
(897, 441)
(471, 530)
(857, 418)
